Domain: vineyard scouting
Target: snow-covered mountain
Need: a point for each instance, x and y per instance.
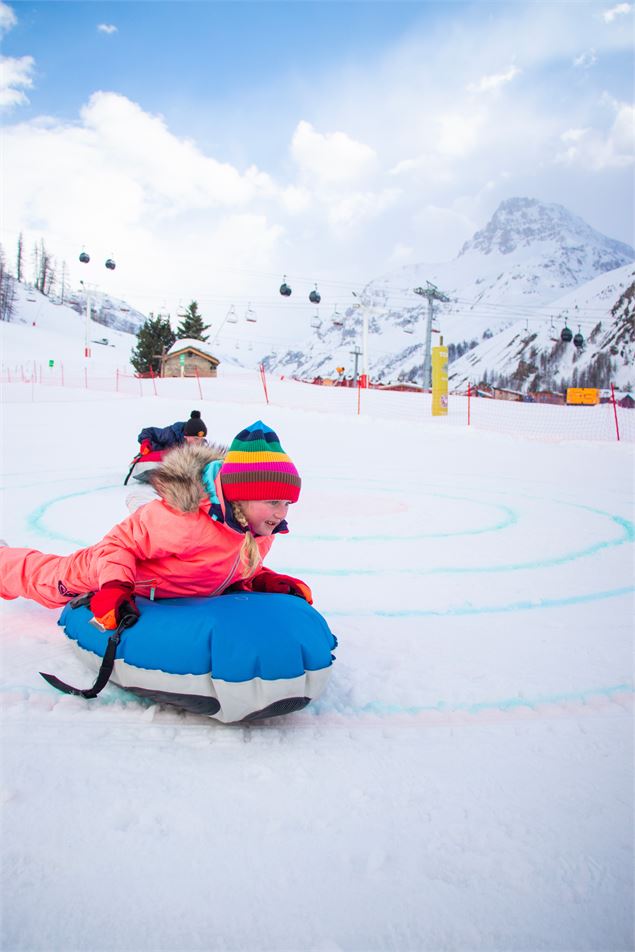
(531, 355)
(109, 311)
(510, 277)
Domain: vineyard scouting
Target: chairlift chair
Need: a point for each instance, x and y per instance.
(409, 328)
(250, 314)
(552, 332)
(336, 318)
(316, 322)
(232, 317)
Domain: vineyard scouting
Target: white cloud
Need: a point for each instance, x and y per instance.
(487, 84)
(107, 28)
(8, 18)
(459, 133)
(174, 174)
(601, 150)
(574, 135)
(400, 255)
(331, 158)
(586, 60)
(15, 77)
(618, 10)
(358, 208)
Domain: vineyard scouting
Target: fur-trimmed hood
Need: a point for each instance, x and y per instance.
(179, 477)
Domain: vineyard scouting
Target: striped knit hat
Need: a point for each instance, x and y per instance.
(256, 467)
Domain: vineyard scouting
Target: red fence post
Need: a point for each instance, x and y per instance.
(617, 425)
(263, 378)
(469, 397)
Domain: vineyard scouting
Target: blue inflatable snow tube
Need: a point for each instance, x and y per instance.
(236, 657)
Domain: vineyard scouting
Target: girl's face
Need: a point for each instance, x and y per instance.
(263, 515)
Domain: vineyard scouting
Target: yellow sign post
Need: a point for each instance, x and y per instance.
(440, 381)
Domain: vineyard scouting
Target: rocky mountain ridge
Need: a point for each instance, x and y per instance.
(517, 270)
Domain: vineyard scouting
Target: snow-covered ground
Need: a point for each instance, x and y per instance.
(466, 780)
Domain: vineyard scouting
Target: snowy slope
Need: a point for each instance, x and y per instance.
(42, 330)
(464, 783)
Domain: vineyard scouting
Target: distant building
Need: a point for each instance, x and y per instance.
(503, 393)
(547, 396)
(188, 357)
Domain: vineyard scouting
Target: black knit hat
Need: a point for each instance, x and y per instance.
(195, 426)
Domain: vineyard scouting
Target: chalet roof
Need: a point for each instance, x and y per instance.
(188, 343)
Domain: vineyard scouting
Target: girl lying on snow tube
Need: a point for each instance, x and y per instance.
(209, 531)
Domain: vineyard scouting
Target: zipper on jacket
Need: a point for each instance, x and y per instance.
(220, 587)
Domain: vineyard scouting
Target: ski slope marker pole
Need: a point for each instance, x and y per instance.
(617, 425)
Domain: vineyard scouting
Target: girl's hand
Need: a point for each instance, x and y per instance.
(268, 581)
(111, 603)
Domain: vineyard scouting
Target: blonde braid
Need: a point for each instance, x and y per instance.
(250, 553)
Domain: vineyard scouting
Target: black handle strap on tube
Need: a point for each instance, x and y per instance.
(132, 466)
(107, 662)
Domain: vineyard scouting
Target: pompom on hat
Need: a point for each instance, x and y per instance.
(256, 467)
(195, 426)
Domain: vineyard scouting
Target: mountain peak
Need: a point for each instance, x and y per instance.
(520, 222)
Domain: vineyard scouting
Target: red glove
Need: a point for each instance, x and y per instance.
(145, 448)
(268, 581)
(111, 603)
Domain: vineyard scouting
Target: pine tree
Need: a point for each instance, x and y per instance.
(18, 259)
(192, 325)
(7, 290)
(155, 337)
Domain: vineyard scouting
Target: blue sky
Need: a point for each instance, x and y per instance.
(191, 61)
(220, 144)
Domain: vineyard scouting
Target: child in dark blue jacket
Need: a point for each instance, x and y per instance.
(155, 438)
